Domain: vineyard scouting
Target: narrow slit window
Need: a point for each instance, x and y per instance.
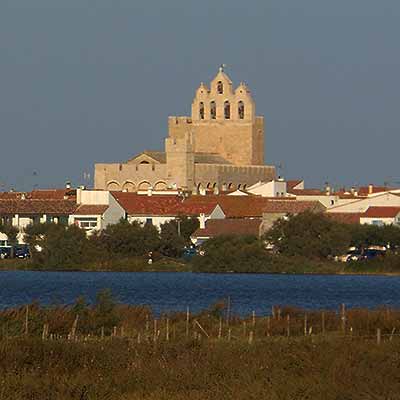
(220, 87)
(201, 110)
(213, 110)
(227, 110)
(241, 109)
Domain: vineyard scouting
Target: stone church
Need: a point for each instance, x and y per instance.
(220, 146)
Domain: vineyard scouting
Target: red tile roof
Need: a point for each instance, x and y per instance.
(52, 194)
(41, 194)
(35, 207)
(91, 209)
(364, 190)
(255, 206)
(381, 212)
(218, 227)
(161, 205)
(345, 218)
(291, 184)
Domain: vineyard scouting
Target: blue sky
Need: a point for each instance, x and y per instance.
(94, 81)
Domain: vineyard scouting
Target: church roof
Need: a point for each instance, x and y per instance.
(159, 156)
(199, 158)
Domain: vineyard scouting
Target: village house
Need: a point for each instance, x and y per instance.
(381, 216)
(159, 209)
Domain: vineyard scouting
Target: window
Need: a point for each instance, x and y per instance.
(241, 109)
(227, 110)
(149, 221)
(201, 110)
(88, 223)
(220, 87)
(213, 110)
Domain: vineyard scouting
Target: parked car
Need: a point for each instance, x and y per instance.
(373, 252)
(22, 251)
(353, 254)
(5, 252)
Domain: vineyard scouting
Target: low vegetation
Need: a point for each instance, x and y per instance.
(123, 246)
(304, 243)
(111, 351)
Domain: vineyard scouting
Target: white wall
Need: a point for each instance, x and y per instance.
(383, 221)
(269, 189)
(360, 206)
(97, 197)
(156, 221)
(113, 214)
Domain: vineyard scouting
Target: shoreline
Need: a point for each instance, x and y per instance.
(185, 269)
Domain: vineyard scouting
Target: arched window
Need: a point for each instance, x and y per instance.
(220, 87)
(213, 110)
(227, 110)
(241, 109)
(201, 110)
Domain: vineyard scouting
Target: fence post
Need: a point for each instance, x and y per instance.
(268, 326)
(288, 325)
(251, 337)
(343, 318)
(220, 329)
(378, 336)
(167, 331)
(228, 311)
(187, 321)
(26, 320)
(155, 331)
(305, 324)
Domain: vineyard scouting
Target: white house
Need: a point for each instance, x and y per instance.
(96, 209)
(159, 209)
(381, 216)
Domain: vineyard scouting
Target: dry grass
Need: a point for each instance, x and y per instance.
(140, 363)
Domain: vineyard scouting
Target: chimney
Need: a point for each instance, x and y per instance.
(353, 190)
(68, 185)
(202, 221)
(370, 189)
(78, 196)
(328, 190)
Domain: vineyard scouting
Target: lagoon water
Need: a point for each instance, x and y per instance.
(166, 292)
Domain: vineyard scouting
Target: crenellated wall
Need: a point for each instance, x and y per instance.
(130, 177)
(231, 176)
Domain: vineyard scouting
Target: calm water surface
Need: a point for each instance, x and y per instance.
(176, 291)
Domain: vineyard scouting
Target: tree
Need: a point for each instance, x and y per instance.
(232, 253)
(11, 233)
(175, 235)
(310, 235)
(63, 246)
(129, 239)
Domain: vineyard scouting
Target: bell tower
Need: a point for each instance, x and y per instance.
(224, 122)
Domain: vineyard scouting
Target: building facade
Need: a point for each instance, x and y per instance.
(220, 146)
